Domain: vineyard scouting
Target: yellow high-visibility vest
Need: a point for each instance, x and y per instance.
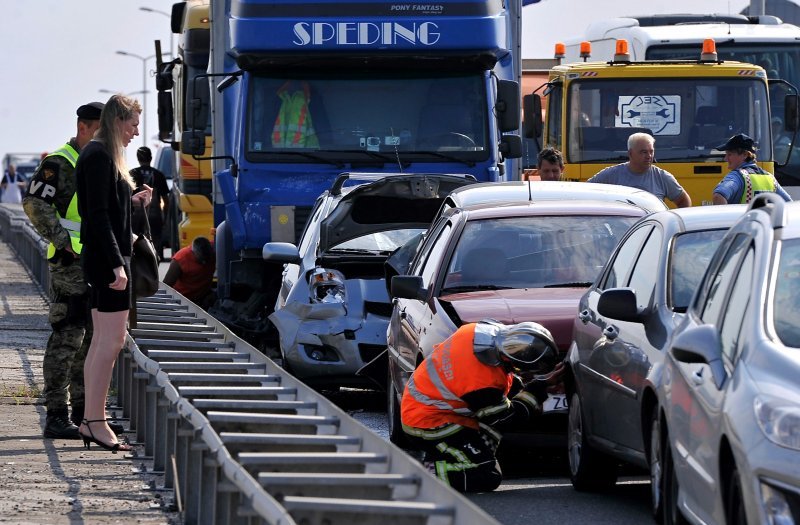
(72, 221)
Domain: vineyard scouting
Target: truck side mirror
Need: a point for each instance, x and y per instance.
(507, 105)
(510, 146)
(790, 114)
(166, 117)
(193, 142)
(532, 116)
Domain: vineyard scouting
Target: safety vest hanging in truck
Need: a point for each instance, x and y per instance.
(293, 127)
(72, 221)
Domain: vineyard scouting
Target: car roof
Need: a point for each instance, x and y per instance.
(553, 208)
(493, 192)
(702, 217)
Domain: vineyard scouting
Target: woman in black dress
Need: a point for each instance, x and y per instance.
(104, 202)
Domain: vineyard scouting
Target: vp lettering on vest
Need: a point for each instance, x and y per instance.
(47, 191)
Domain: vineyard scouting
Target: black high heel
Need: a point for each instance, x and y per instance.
(88, 440)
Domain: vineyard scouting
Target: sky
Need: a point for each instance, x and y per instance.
(59, 54)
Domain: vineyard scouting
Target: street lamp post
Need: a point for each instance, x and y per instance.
(144, 90)
(171, 35)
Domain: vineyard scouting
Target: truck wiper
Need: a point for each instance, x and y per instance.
(469, 163)
(312, 156)
(387, 158)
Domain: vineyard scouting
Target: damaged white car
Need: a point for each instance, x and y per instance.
(333, 308)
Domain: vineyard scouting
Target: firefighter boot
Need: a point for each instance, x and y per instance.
(57, 425)
(77, 417)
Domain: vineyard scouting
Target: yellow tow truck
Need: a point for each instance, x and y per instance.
(689, 106)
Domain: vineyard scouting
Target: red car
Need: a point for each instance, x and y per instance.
(520, 261)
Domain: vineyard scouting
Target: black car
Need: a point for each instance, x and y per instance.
(621, 333)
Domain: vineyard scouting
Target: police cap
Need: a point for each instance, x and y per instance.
(740, 142)
(90, 111)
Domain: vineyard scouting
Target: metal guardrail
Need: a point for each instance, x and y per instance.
(242, 441)
(16, 230)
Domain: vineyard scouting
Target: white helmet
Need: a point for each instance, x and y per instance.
(527, 346)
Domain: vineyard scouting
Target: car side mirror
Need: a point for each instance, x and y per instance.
(701, 344)
(281, 252)
(620, 303)
(193, 142)
(408, 287)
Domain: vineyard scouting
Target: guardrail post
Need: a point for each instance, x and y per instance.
(161, 435)
(183, 438)
(173, 418)
(192, 486)
(151, 392)
(209, 483)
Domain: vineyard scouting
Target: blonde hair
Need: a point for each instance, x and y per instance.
(119, 108)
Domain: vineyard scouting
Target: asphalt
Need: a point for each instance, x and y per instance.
(55, 481)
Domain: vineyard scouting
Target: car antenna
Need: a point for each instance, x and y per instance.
(530, 192)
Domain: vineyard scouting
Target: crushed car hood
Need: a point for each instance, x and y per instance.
(554, 308)
(391, 203)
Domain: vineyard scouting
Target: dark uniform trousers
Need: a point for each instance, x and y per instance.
(465, 460)
(72, 332)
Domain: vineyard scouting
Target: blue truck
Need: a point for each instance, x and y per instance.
(302, 92)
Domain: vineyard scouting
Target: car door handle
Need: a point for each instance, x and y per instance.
(585, 316)
(610, 332)
(697, 377)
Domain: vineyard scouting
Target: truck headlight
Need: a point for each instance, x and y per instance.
(326, 286)
(779, 420)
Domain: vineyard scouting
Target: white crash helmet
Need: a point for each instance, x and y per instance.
(527, 347)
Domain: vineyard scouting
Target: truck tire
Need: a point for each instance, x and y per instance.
(590, 469)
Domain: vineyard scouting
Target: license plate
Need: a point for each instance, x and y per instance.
(555, 402)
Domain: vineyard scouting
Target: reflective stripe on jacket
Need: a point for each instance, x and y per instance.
(72, 222)
(756, 181)
(433, 394)
(293, 127)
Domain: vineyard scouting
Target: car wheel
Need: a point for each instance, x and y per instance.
(589, 469)
(734, 506)
(671, 513)
(656, 468)
(396, 434)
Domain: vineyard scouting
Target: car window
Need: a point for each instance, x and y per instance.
(643, 276)
(689, 258)
(427, 245)
(434, 257)
(787, 294)
(721, 280)
(533, 252)
(385, 241)
(313, 221)
(737, 307)
(626, 255)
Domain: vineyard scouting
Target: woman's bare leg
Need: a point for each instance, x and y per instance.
(107, 341)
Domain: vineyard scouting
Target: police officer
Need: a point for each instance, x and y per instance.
(746, 179)
(52, 207)
(467, 389)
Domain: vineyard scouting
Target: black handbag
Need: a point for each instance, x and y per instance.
(144, 262)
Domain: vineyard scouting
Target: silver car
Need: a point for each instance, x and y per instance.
(333, 307)
(731, 389)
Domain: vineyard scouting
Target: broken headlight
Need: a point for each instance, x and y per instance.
(326, 286)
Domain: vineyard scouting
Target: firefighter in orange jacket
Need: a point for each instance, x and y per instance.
(467, 388)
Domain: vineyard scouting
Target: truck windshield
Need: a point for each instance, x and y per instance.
(687, 116)
(367, 118)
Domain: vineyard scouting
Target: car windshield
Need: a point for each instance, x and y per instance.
(533, 252)
(377, 116)
(787, 294)
(383, 242)
(688, 117)
(691, 254)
